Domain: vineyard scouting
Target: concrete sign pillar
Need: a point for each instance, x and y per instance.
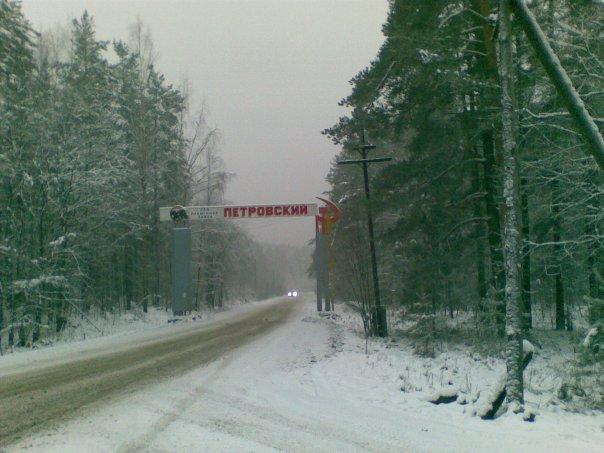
(181, 270)
(317, 266)
(321, 272)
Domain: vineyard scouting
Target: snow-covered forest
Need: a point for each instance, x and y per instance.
(493, 199)
(93, 140)
(458, 265)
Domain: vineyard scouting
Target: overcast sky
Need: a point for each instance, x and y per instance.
(270, 73)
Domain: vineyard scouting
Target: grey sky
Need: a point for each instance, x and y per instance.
(270, 72)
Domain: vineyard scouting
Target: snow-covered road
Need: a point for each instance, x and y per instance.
(305, 386)
(50, 388)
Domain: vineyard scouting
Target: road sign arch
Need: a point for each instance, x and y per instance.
(230, 212)
(181, 238)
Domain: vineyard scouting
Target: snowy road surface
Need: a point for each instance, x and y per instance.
(57, 388)
(304, 385)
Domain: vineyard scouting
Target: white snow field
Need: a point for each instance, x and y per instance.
(308, 386)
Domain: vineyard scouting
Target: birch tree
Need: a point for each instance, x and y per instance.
(511, 234)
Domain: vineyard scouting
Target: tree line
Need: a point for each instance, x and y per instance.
(93, 140)
(436, 98)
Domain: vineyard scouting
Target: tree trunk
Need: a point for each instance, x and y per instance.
(479, 232)
(559, 298)
(128, 275)
(60, 319)
(527, 316)
(156, 238)
(11, 319)
(595, 263)
(1, 316)
(494, 225)
(35, 336)
(513, 331)
(593, 281)
(490, 173)
(488, 35)
(556, 235)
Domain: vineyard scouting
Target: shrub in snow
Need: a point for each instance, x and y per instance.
(529, 415)
(444, 396)
(583, 385)
(567, 391)
(488, 407)
(527, 347)
(590, 340)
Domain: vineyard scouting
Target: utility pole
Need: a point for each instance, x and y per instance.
(560, 79)
(381, 322)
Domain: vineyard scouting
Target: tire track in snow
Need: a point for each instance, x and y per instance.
(169, 417)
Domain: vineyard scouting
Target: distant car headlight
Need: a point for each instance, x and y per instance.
(295, 293)
(289, 294)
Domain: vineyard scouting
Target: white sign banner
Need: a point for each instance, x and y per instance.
(239, 212)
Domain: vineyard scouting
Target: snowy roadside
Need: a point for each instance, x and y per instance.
(309, 386)
(121, 332)
(458, 366)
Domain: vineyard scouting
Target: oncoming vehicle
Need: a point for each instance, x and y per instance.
(292, 293)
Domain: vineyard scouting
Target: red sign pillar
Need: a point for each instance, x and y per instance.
(328, 215)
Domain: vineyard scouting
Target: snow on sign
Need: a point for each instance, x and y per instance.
(237, 212)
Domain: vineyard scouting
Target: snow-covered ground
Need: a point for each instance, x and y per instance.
(83, 340)
(97, 324)
(309, 386)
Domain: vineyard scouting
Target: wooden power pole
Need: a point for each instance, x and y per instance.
(381, 321)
